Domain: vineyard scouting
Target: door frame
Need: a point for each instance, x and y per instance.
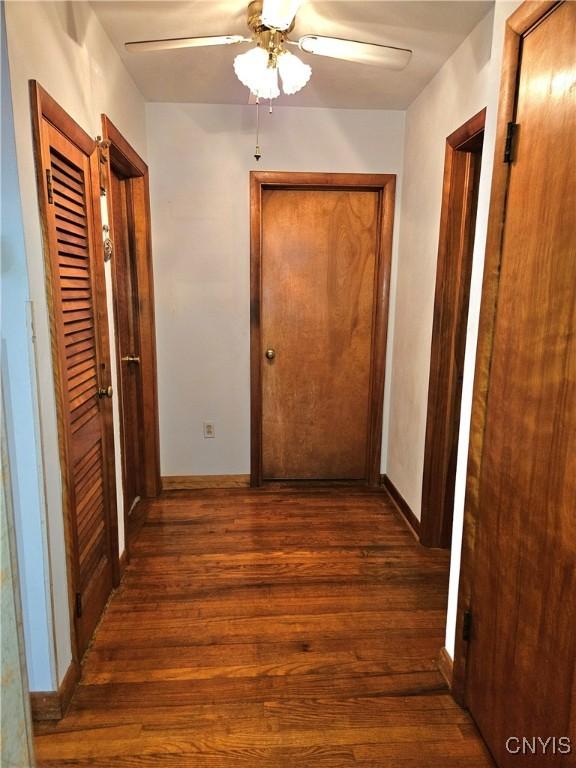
(122, 158)
(385, 185)
(453, 273)
(44, 107)
(523, 19)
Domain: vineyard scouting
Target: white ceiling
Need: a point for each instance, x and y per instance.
(433, 29)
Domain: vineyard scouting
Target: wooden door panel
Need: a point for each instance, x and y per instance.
(75, 276)
(128, 338)
(521, 664)
(319, 251)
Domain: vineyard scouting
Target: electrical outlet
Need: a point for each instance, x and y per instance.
(209, 430)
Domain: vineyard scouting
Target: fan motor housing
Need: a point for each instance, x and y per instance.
(255, 20)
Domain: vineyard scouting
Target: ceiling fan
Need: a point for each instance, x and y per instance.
(270, 22)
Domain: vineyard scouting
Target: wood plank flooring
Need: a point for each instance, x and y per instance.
(260, 629)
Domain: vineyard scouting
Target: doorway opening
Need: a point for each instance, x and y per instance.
(456, 244)
(133, 300)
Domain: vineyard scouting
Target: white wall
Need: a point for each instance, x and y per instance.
(501, 12)
(63, 46)
(19, 397)
(200, 157)
(457, 92)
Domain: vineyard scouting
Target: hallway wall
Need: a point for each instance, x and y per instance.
(457, 92)
(63, 46)
(20, 402)
(200, 157)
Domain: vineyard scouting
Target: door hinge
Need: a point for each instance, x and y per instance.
(49, 190)
(467, 626)
(103, 147)
(78, 605)
(511, 130)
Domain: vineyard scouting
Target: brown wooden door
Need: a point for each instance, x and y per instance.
(69, 194)
(128, 338)
(521, 660)
(319, 266)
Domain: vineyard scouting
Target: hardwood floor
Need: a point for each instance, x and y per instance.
(287, 629)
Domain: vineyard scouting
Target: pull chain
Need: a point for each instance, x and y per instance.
(257, 154)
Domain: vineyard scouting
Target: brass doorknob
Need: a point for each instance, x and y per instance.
(270, 354)
(131, 359)
(104, 392)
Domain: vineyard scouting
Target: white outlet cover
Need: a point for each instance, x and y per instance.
(209, 430)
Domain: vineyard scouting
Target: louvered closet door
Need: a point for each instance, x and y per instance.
(76, 274)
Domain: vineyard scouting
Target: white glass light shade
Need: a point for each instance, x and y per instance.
(293, 72)
(278, 14)
(253, 71)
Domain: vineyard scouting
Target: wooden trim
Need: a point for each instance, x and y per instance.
(44, 107)
(136, 521)
(255, 334)
(461, 138)
(445, 665)
(523, 19)
(125, 161)
(123, 561)
(385, 185)
(52, 705)
(103, 333)
(124, 156)
(402, 505)
(453, 275)
(198, 482)
(38, 98)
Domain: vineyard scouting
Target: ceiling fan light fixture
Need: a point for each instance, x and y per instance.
(350, 50)
(293, 72)
(279, 14)
(253, 71)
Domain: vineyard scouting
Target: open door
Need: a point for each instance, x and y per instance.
(519, 577)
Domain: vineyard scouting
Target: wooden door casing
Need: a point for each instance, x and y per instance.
(316, 190)
(456, 243)
(128, 201)
(67, 170)
(517, 672)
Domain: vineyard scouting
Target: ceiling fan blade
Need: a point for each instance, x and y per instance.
(279, 14)
(351, 50)
(184, 42)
